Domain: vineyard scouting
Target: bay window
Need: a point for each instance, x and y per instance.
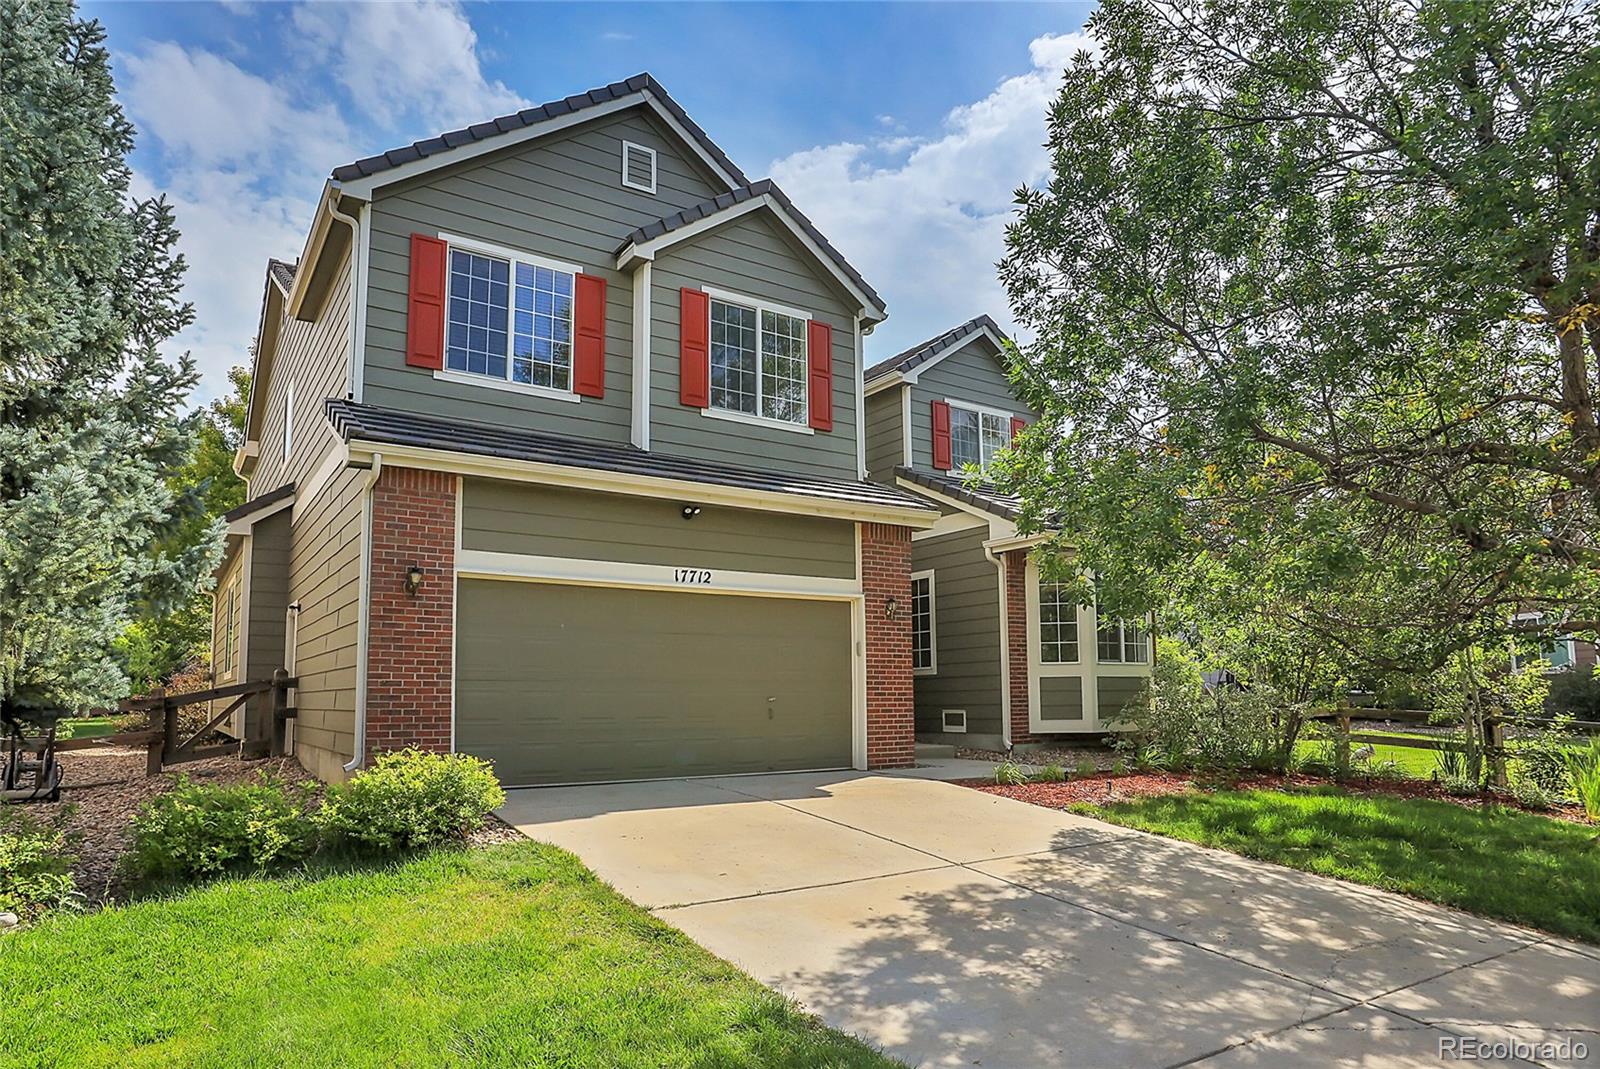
(1122, 641)
(1058, 624)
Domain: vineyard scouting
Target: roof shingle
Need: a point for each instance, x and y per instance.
(925, 351)
(1006, 506)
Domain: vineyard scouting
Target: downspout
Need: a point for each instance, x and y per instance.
(357, 298)
(364, 617)
(1005, 649)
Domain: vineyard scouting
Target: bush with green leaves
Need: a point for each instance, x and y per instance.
(1459, 771)
(1178, 724)
(1575, 694)
(1583, 765)
(1051, 773)
(201, 830)
(1541, 762)
(410, 798)
(35, 865)
(1010, 774)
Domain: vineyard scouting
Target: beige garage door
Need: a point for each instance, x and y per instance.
(561, 684)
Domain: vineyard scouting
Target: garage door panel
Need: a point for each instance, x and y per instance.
(565, 683)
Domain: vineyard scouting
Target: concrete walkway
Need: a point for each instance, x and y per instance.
(955, 928)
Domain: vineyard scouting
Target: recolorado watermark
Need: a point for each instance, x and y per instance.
(1475, 1049)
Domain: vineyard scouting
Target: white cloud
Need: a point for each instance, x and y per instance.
(409, 67)
(927, 231)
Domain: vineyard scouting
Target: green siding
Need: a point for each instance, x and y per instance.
(972, 374)
(559, 197)
(750, 256)
(1060, 698)
(885, 447)
(559, 684)
(966, 609)
(507, 517)
(1116, 692)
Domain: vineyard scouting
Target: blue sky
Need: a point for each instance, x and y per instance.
(901, 129)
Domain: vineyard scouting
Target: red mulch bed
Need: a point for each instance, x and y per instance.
(1107, 787)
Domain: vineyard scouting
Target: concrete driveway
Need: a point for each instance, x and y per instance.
(954, 928)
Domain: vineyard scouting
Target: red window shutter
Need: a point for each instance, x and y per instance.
(589, 342)
(1017, 423)
(941, 436)
(694, 349)
(425, 303)
(819, 350)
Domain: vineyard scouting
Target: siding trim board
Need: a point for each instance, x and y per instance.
(487, 564)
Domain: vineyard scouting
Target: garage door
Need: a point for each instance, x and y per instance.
(561, 683)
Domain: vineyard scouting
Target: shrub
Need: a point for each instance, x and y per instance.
(1010, 774)
(35, 865)
(1584, 768)
(1541, 760)
(411, 798)
(1575, 694)
(1051, 773)
(200, 830)
(1085, 767)
(1459, 771)
(1528, 792)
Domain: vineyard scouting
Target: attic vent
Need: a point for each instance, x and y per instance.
(638, 167)
(955, 720)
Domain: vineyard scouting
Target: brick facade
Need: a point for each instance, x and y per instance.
(1016, 610)
(410, 638)
(885, 574)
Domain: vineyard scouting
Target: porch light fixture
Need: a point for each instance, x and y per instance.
(891, 607)
(691, 511)
(413, 578)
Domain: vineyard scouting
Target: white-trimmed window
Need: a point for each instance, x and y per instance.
(953, 721)
(1554, 654)
(924, 652)
(977, 434)
(1122, 641)
(509, 318)
(1058, 624)
(758, 359)
(638, 167)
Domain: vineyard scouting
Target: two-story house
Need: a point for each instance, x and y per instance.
(999, 657)
(556, 456)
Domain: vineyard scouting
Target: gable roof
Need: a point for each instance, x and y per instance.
(641, 86)
(644, 241)
(282, 273)
(1006, 506)
(910, 360)
(384, 426)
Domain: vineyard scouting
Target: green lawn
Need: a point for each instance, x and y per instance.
(505, 956)
(86, 727)
(1498, 862)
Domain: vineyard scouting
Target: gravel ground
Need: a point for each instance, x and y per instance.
(101, 789)
(1068, 757)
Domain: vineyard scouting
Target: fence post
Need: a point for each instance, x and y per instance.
(1494, 740)
(280, 705)
(169, 726)
(155, 749)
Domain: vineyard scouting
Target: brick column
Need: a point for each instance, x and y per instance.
(885, 574)
(1016, 610)
(410, 637)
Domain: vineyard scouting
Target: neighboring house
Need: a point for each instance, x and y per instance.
(999, 657)
(556, 456)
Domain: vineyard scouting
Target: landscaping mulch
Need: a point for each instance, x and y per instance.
(1108, 788)
(103, 788)
(1068, 757)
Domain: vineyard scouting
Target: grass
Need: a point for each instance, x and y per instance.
(1408, 760)
(1493, 861)
(505, 956)
(86, 727)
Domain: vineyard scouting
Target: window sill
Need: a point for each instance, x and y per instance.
(925, 671)
(466, 378)
(755, 421)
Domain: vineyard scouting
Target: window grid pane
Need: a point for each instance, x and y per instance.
(1058, 625)
(964, 447)
(477, 314)
(733, 357)
(542, 335)
(921, 623)
(783, 367)
(996, 436)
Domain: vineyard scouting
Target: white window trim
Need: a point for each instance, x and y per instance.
(1038, 626)
(982, 410)
(1122, 641)
(633, 146)
(949, 728)
(933, 623)
(513, 256)
(803, 425)
(288, 420)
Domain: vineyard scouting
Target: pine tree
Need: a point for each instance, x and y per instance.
(91, 416)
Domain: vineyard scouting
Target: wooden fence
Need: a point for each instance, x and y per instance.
(1492, 746)
(263, 735)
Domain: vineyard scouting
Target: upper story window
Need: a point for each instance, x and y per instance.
(922, 647)
(1123, 642)
(638, 167)
(1553, 654)
(1058, 624)
(510, 319)
(758, 360)
(976, 435)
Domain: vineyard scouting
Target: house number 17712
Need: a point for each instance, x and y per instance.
(696, 576)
